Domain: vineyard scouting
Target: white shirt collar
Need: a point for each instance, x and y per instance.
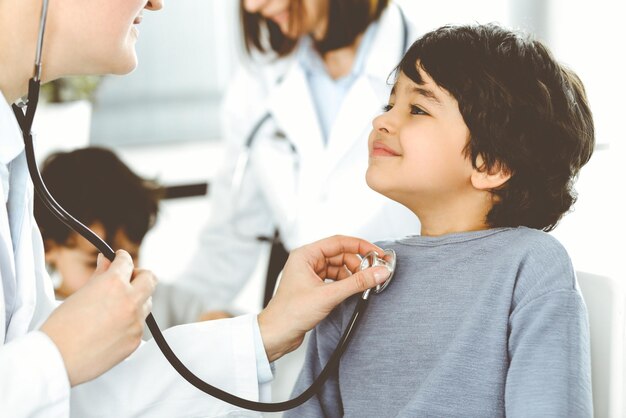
(11, 144)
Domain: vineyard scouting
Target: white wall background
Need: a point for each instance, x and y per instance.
(185, 56)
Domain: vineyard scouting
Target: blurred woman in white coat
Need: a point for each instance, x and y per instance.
(57, 361)
(315, 75)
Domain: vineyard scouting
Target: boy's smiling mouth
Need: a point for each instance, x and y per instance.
(381, 150)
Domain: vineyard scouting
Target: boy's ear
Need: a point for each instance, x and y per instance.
(489, 179)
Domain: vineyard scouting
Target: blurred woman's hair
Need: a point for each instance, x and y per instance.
(347, 19)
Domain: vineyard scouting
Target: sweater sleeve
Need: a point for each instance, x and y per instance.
(221, 352)
(327, 402)
(549, 373)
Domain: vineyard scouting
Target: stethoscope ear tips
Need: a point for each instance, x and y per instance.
(372, 259)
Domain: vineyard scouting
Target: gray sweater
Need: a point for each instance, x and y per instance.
(477, 324)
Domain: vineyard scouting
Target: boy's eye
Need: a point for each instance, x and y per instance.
(416, 110)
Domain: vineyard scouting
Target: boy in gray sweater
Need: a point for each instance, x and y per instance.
(482, 138)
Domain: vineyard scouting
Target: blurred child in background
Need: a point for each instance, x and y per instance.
(104, 194)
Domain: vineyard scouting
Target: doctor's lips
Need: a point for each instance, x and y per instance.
(138, 20)
(381, 150)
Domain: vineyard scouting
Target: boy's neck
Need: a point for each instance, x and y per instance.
(443, 226)
(453, 215)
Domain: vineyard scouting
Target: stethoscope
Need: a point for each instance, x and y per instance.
(243, 159)
(25, 120)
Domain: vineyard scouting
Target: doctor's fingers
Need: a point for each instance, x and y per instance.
(102, 264)
(350, 261)
(356, 283)
(336, 273)
(343, 271)
(144, 284)
(121, 266)
(147, 307)
(329, 248)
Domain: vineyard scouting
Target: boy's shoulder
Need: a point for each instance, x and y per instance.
(537, 243)
(536, 247)
(535, 262)
(544, 266)
(522, 241)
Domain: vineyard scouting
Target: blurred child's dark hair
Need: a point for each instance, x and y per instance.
(346, 20)
(94, 185)
(526, 113)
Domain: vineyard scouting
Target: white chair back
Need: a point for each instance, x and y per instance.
(606, 301)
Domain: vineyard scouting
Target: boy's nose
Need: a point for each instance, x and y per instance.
(383, 123)
(154, 5)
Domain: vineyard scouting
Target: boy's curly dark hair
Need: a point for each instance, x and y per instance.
(96, 186)
(525, 112)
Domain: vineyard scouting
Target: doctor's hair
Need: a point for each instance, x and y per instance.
(96, 186)
(347, 19)
(526, 113)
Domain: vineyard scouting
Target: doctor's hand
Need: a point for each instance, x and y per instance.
(102, 323)
(303, 299)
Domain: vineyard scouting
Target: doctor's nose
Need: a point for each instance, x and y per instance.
(154, 5)
(253, 6)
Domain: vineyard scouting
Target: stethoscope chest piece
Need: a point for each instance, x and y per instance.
(371, 259)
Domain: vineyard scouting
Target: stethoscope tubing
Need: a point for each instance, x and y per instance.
(25, 121)
(53, 206)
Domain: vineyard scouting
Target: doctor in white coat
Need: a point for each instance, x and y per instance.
(83, 357)
(321, 74)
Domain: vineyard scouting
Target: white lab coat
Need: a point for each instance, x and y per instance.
(33, 380)
(296, 182)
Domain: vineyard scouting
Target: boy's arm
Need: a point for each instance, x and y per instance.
(326, 403)
(549, 373)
